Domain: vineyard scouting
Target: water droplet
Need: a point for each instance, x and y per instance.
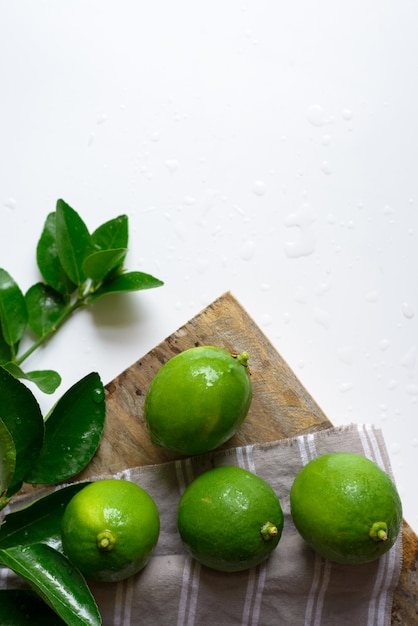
(259, 188)
(10, 203)
(412, 389)
(98, 395)
(321, 317)
(392, 384)
(189, 200)
(326, 168)
(326, 140)
(410, 358)
(247, 251)
(266, 319)
(345, 354)
(384, 345)
(343, 387)
(305, 243)
(395, 447)
(286, 318)
(372, 296)
(202, 265)
(172, 165)
(408, 311)
(316, 115)
(347, 114)
(102, 119)
(300, 295)
(18, 420)
(414, 442)
(155, 136)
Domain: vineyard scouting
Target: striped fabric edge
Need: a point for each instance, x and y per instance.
(322, 567)
(186, 615)
(389, 566)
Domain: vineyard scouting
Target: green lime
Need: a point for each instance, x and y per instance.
(198, 400)
(346, 508)
(109, 529)
(229, 519)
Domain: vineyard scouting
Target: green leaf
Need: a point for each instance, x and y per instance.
(13, 313)
(112, 234)
(7, 458)
(48, 260)
(56, 580)
(131, 281)
(99, 264)
(5, 349)
(73, 430)
(46, 380)
(73, 241)
(24, 607)
(21, 414)
(45, 307)
(39, 521)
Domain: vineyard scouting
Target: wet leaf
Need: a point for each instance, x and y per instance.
(131, 281)
(73, 241)
(56, 580)
(24, 607)
(73, 430)
(45, 306)
(48, 260)
(5, 349)
(7, 458)
(22, 416)
(46, 380)
(13, 313)
(39, 521)
(112, 234)
(99, 264)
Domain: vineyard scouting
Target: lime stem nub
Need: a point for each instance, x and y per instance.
(268, 531)
(243, 358)
(379, 531)
(106, 541)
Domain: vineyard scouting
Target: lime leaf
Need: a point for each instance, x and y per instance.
(112, 234)
(7, 458)
(99, 264)
(21, 414)
(45, 306)
(131, 281)
(73, 430)
(5, 349)
(56, 580)
(73, 241)
(48, 261)
(39, 521)
(46, 380)
(13, 313)
(24, 607)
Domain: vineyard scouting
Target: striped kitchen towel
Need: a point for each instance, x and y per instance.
(293, 587)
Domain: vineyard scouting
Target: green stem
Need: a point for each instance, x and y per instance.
(268, 531)
(378, 531)
(68, 311)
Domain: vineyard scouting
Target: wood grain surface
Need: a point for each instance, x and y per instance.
(281, 408)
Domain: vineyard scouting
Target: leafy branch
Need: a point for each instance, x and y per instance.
(45, 451)
(78, 268)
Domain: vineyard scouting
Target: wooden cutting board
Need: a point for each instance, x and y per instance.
(281, 408)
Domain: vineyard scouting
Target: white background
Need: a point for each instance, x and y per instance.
(266, 148)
